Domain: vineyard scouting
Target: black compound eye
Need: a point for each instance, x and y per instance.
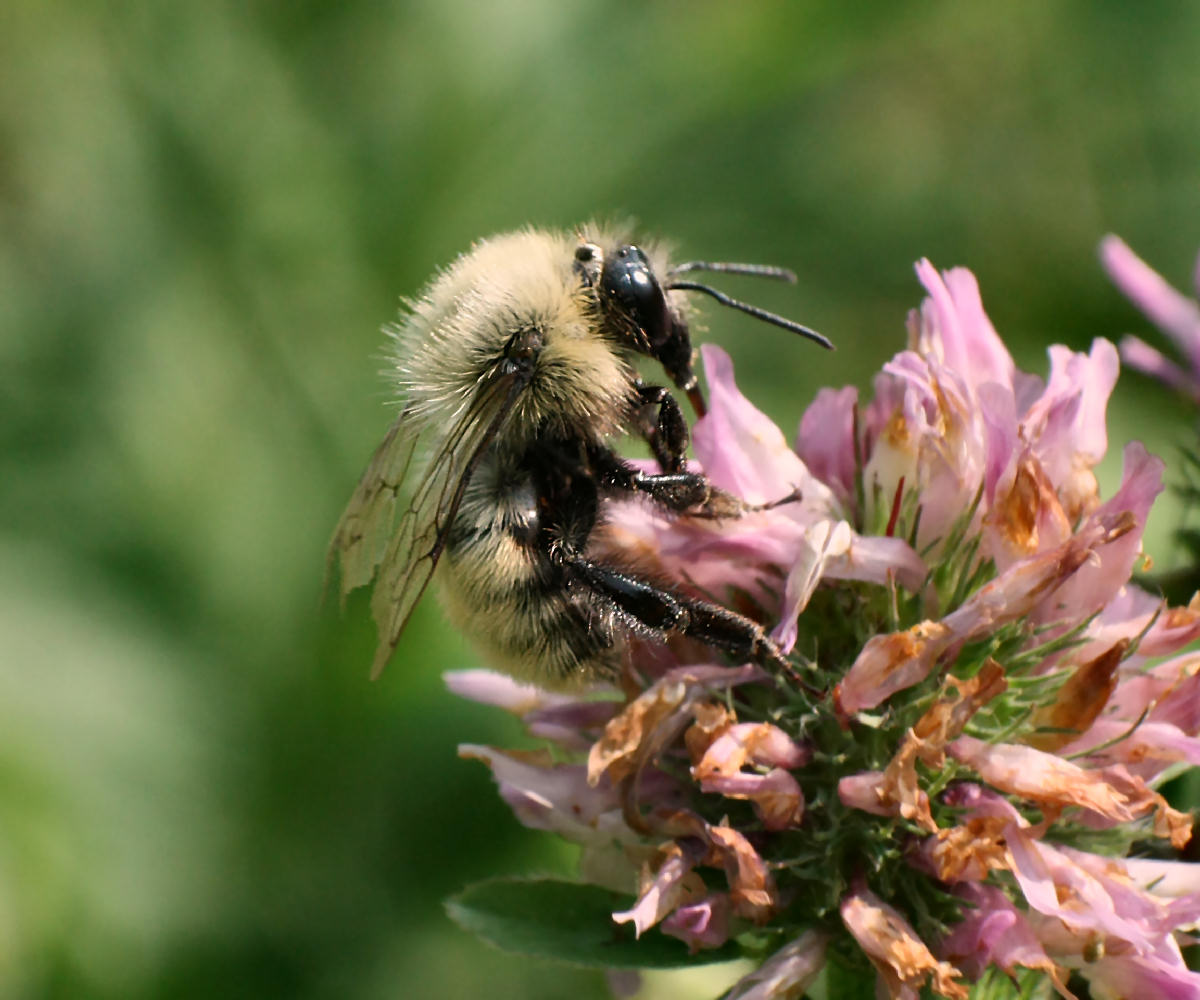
(628, 284)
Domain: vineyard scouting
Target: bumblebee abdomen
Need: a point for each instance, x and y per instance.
(522, 615)
(500, 586)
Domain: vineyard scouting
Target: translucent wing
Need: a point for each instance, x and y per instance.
(396, 537)
(362, 535)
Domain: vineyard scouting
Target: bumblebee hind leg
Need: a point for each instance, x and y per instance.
(663, 613)
(606, 599)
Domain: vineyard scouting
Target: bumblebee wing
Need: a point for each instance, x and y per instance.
(361, 538)
(402, 560)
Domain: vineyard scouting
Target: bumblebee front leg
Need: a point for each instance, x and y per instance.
(665, 613)
(659, 422)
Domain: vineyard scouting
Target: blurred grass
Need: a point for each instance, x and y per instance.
(207, 211)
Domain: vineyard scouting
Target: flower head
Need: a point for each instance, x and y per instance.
(948, 783)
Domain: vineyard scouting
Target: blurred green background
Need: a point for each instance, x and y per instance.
(207, 211)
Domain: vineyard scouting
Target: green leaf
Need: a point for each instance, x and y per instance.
(568, 922)
(842, 980)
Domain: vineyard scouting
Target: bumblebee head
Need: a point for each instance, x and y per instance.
(636, 309)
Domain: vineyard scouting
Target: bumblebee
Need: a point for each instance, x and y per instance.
(515, 368)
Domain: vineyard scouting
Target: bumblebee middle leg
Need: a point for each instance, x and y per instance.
(682, 492)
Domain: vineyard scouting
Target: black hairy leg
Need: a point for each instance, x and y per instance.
(665, 613)
(682, 492)
(659, 421)
(569, 495)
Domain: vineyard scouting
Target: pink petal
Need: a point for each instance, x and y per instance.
(862, 791)
(491, 688)
(1130, 612)
(1165, 878)
(900, 957)
(1100, 579)
(835, 551)
(665, 891)
(740, 448)
(995, 932)
(891, 663)
(1034, 583)
(1178, 697)
(998, 411)
(1175, 314)
(1136, 353)
(751, 885)
(878, 559)
(958, 331)
(934, 442)
(1148, 749)
(573, 725)
(554, 797)
(714, 555)
(751, 743)
(1056, 885)
(787, 973)
(776, 795)
(982, 801)
(1154, 911)
(825, 442)
(568, 720)
(824, 541)
(1066, 426)
(1136, 975)
(1040, 776)
(702, 924)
